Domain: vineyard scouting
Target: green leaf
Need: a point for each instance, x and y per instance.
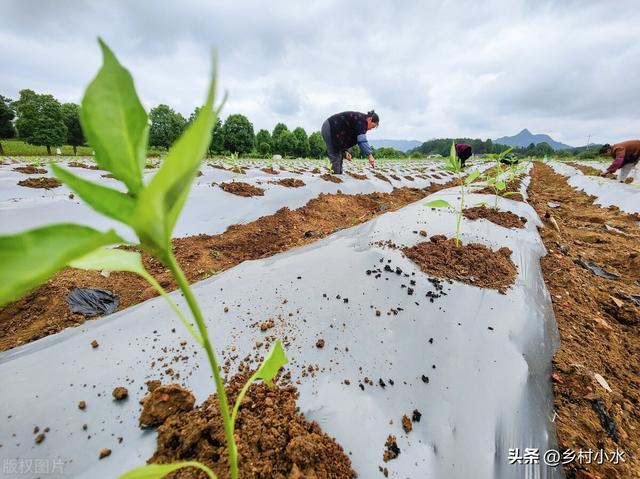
(162, 200)
(105, 200)
(115, 123)
(471, 178)
(506, 152)
(500, 185)
(30, 258)
(510, 193)
(267, 371)
(157, 471)
(131, 261)
(438, 204)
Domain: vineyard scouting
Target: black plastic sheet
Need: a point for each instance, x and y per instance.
(92, 301)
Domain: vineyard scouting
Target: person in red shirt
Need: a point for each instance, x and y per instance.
(344, 130)
(625, 158)
(464, 152)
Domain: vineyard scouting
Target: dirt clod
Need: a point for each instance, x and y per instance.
(406, 424)
(39, 438)
(30, 170)
(320, 343)
(391, 449)
(241, 189)
(104, 453)
(163, 402)
(120, 393)
(40, 182)
(502, 218)
(94, 344)
(82, 405)
(331, 178)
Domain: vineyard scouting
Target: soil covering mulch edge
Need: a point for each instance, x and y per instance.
(501, 218)
(240, 188)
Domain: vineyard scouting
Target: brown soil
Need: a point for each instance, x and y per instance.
(587, 170)
(274, 439)
(357, 176)
(30, 170)
(395, 177)
(502, 218)
(409, 177)
(164, 401)
(40, 182)
(598, 327)
(472, 263)
(44, 311)
(270, 171)
(331, 178)
(290, 182)
(77, 164)
(241, 189)
(380, 176)
(513, 186)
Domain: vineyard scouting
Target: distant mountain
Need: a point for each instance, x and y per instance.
(525, 138)
(400, 145)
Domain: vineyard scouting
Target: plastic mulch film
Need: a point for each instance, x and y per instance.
(607, 191)
(487, 357)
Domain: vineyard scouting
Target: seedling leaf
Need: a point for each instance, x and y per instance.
(162, 200)
(131, 261)
(30, 258)
(439, 204)
(267, 371)
(105, 200)
(471, 178)
(115, 123)
(158, 471)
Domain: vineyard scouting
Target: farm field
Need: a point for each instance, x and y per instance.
(418, 355)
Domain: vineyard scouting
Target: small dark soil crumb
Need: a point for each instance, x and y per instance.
(268, 324)
(41, 182)
(391, 449)
(320, 343)
(406, 424)
(241, 189)
(415, 417)
(289, 182)
(331, 178)
(105, 453)
(274, 439)
(422, 233)
(270, 171)
(502, 218)
(39, 438)
(472, 263)
(82, 405)
(153, 384)
(94, 344)
(357, 176)
(30, 170)
(120, 393)
(163, 402)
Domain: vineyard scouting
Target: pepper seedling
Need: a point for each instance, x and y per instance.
(116, 126)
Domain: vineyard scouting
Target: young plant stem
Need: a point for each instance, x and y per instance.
(183, 284)
(459, 218)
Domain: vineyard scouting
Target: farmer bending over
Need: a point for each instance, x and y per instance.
(464, 152)
(344, 130)
(625, 158)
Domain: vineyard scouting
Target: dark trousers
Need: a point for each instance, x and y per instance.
(335, 155)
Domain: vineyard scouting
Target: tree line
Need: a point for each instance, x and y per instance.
(41, 120)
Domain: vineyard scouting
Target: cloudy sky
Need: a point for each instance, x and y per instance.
(448, 68)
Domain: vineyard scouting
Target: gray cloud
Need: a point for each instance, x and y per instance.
(483, 68)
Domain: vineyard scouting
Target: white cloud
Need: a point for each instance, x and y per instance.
(481, 68)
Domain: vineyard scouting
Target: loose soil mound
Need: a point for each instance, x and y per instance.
(331, 178)
(76, 164)
(357, 176)
(274, 439)
(290, 182)
(241, 189)
(41, 182)
(30, 170)
(472, 263)
(395, 177)
(409, 177)
(45, 311)
(598, 326)
(587, 170)
(502, 218)
(513, 186)
(380, 176)
(270, 171)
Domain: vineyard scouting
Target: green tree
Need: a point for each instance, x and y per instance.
(166, 126)
(281, 139)
(7, 115)
(217, 138)
(71, 118)
(40, 120)
(300, 143)
(317, 148)
(238, 134)
(263, 142)
(543, 148)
